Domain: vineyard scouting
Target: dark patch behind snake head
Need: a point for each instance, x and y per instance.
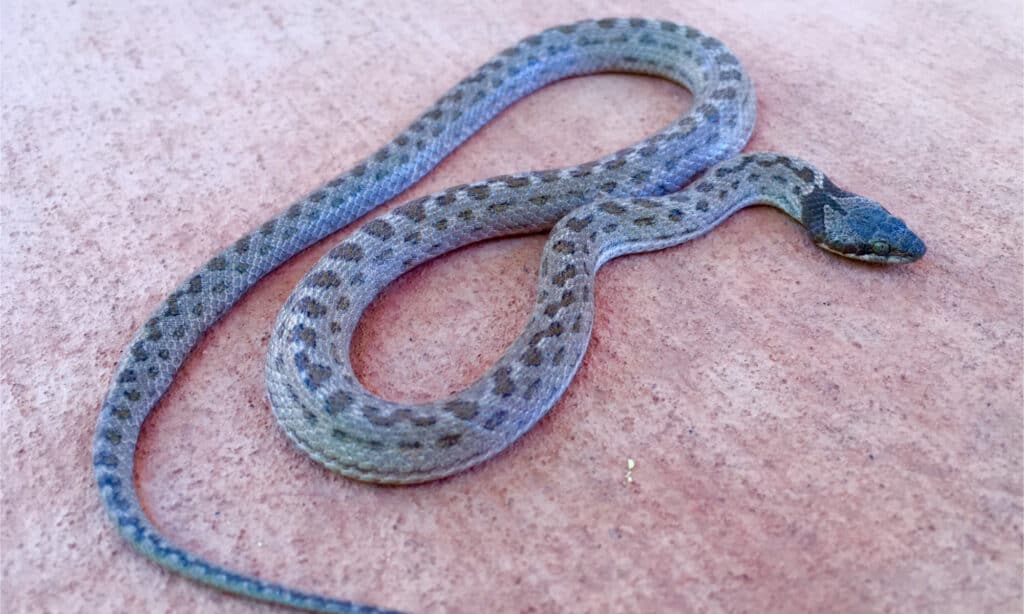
(857, 227)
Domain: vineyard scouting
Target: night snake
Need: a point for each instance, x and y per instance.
(622, 203)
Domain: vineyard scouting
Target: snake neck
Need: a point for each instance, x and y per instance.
(839, 221)
(762, 178)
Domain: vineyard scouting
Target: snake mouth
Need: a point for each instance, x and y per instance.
(893, 257)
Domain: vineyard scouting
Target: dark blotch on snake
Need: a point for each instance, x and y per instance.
(350, 252)
(414, 211)
(517, 182)
(315, 373)
(374, 416)
(479, 192)
(338, 401)
(465, 410)
(579, 223)
(379, 228)
(324, 279)
(310, 308)
(564, 247)
(304, 334)
(709, 111)
(495, 420)
(564, 275)
(447, 441)
(532, 357)
(503, 384)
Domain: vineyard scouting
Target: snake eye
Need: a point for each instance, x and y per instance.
(880, 247)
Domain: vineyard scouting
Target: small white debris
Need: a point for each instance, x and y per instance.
(629, 470)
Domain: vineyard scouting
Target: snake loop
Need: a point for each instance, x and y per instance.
(622, 203)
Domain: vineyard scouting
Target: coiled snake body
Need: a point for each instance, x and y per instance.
(623, 203)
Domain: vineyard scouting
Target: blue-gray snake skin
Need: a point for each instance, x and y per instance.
(625, 202)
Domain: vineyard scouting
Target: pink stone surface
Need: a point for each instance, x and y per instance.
(809, 434)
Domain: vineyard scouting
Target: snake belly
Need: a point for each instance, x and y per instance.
(314, 393)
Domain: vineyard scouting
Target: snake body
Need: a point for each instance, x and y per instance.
(622, 203)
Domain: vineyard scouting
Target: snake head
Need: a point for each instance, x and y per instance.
(857, 227)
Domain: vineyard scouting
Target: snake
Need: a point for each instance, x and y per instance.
(669, 188)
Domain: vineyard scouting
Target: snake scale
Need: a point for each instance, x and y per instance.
(625, 202)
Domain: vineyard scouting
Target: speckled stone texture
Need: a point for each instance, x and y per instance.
(809, 434)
